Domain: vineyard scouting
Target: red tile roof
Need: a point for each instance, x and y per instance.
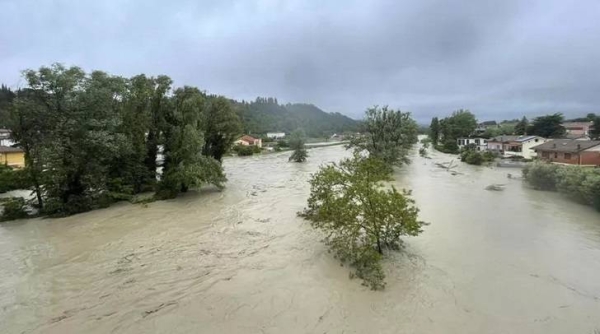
(249, 139)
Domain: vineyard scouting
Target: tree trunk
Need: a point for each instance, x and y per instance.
(379, 246)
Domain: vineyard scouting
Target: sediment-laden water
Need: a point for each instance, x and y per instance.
(240, 261)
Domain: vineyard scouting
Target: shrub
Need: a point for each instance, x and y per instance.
(579, 183)
(243, 150)
(541, 176)
(14, 208)
(12, 179)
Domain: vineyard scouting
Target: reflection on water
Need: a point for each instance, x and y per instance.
(240, 261)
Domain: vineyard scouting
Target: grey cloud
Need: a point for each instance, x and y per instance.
(501, 59)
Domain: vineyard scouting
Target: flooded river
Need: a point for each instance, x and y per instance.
(240, 261)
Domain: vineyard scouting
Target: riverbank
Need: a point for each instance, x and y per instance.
(241, 261)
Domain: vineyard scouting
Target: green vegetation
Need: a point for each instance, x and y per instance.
(297, 144)
(267, 115)
(12, 179)
(434, 131)
(580, 184)
(473, 157)
(595, 130)
(360, 216)
(522, 127)
(389, 135)
(549, 126)
(242, 150)
(461, 123)
(93, 138)
(13, 208)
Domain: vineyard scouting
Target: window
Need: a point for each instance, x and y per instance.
(555, 155)
(568, 156)
(477, 141)
(536, 140)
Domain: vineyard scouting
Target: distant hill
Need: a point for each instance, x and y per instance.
(267, 115)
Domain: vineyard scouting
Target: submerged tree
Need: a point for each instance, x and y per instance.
(360, 217)
(389, 135)
(221, 126)
(297, 144)
(184, 165)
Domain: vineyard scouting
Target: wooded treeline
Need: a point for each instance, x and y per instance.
(93, 138)
(267, 115)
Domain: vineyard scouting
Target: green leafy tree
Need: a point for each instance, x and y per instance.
(549, 126)
(389, 135)
(221, 127)
(129, 173)
(7, 97)
(29, 123)
(462, 123)
(159, 106)
(434, 129)
(359, 216)
(297, 144)
(79, 112)
(184, 165)
(522, 126)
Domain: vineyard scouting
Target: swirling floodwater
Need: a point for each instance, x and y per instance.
(241, 261)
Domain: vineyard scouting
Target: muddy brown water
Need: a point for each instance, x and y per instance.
(240, 261)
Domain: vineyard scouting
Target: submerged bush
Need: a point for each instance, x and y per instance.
(473, 157)
(14, 208)
(242, 150)
(581, 184)
(359, 215)
(541, 176)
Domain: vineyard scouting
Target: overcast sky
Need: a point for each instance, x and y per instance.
(500, 59)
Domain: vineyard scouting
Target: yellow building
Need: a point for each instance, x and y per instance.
(12, 156)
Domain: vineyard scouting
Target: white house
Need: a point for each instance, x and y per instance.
(5, 138)
(276, 135)
(480, 144)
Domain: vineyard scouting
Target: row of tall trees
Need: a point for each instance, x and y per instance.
(92, 138)
(445, 132)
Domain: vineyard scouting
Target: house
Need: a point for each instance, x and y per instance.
(12, 156)
(578, 128)
(480, 144)
(5, 138)
(568, 151)
(276, 135)
(515, 146)
(249, 141)
(577, 137)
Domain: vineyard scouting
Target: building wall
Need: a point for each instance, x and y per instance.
(590, 158)
(276, 135)
(479, 143)
(528, 153)
(560, 157)
(13, 159)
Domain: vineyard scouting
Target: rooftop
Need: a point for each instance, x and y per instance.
(504, 139)
(7, 149)
(566, 145)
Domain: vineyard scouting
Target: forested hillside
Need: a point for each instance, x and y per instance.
(267, 115)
